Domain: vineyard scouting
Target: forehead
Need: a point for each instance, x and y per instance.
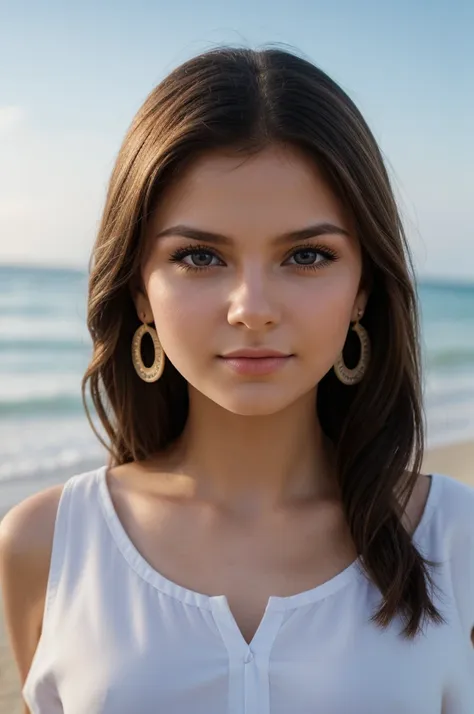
(279, 188)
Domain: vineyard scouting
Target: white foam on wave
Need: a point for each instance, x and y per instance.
(54, 329)
(28, 387)
(450, 425)
(35, 447)
(449, 406)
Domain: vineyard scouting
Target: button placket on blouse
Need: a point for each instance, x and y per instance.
(248, 657)
(249, 686)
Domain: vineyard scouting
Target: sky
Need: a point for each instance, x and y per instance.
(73, 75)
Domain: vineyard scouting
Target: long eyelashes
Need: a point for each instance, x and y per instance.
(179, 255)
(326, 255)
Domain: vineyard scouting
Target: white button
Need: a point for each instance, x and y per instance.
(248, 657)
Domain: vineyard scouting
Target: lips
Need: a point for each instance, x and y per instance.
(250, 353)
(256, 361)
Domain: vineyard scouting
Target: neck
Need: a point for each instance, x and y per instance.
(256, 463)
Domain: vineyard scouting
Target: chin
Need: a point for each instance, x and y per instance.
(253, 401)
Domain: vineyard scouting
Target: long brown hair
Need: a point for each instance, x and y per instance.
(245, 100)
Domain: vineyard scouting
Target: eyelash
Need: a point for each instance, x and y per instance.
(178, 257)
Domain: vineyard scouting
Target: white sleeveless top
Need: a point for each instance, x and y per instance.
(120, 638)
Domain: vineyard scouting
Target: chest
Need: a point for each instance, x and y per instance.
(325, 657)
(247, 562)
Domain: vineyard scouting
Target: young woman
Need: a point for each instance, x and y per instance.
(262, 540)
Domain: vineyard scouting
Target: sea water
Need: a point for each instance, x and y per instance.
(45, 348)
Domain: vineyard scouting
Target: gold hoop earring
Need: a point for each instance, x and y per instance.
(355, 375)
(153, 373)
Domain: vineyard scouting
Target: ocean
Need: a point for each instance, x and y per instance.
(45, 348)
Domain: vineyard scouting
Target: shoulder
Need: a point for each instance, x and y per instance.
(453, 506)
(448, 532)
(452, 543)
(26, 537)
(27, 529)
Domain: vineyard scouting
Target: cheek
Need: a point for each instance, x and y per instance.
(327, 316)
(181, 312)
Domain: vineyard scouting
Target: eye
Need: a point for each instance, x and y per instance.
(312, 257)
(308, 256)
(195, 258)
(200, 259)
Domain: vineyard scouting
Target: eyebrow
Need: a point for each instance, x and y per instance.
(313, 231)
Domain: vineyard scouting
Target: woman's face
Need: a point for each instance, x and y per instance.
(251, 284)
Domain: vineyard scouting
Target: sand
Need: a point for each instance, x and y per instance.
(456, 460)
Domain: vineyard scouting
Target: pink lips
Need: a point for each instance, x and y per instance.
(255, 361)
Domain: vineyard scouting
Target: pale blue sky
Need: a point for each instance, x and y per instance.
(72, 77)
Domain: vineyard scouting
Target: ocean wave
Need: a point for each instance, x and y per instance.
(45, 347)
(455, 357)
(10, 306)
(447, 424)
(449, 385)
(12, 345)
(32, 394)
(42, 446)
(65, 462)
(57, 329)
(64, 404)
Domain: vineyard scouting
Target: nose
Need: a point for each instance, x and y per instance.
(254, 303)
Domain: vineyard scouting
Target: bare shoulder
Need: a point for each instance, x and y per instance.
(26, 538)
(31, 522)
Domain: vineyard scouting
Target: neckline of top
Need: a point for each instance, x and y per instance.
(140, 565)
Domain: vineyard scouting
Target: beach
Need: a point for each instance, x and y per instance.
(45, 349)
(455, 460)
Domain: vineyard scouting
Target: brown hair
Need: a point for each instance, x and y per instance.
(244, 100)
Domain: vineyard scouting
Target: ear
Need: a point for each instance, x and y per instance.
(363, 293)
(142, 304)
(360, 303)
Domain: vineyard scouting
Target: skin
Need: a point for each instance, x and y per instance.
(253, 443)
(247, 495)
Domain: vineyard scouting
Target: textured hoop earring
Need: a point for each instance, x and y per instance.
(153, 373)
(355, 375)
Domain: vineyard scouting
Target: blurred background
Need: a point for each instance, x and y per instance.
(73, 75)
